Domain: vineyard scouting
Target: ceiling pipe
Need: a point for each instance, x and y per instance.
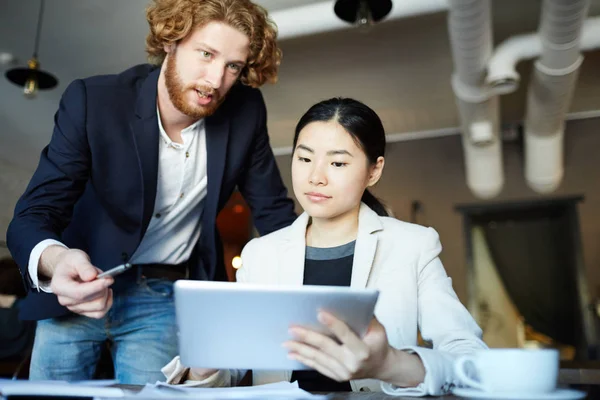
(320, 17)
(502, 76)
(551, 90)
(397, 137)
(470, 29)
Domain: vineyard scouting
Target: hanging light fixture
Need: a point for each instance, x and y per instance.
(362, 12)
(33, 78)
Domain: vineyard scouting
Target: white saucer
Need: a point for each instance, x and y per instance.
(558, 394)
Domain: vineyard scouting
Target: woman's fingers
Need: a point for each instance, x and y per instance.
(318, 359)
(344, 334)
(318, 367)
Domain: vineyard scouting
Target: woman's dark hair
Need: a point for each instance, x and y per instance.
(361, 122)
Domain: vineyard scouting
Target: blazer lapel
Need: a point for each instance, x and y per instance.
(293, 250)
(217, 136)
(146, 134)
(292, 253)
(366, 246)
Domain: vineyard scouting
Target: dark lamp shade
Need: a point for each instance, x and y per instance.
(19, 76)
(347, 10)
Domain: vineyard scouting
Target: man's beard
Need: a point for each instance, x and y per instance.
(177, 93)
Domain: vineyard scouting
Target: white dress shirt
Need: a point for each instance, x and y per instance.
(176, 222)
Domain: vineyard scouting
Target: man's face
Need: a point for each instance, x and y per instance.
(202, 68)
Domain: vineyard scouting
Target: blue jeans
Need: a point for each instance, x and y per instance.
(140, 324)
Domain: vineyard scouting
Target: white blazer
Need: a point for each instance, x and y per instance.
(401, 261)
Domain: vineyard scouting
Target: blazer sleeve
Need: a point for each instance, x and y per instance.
(249, 257)
(261, 183)
(443, 320)
(177, 374)
(46, 207)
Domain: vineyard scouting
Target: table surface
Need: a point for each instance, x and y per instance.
(587, 380)
(383, 396)
(344, 395)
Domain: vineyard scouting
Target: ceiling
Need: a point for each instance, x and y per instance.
(274, 5)
(401, 68)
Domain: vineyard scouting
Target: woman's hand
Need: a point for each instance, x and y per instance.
(351, 357)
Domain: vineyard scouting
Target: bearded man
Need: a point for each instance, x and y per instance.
(137, 169)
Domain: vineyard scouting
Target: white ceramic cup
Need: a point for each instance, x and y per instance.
(510, 370)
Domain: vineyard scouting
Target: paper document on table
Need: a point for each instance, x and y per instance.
(59, 388)
(280, 390)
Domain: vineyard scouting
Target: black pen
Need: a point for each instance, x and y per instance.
(115, 271)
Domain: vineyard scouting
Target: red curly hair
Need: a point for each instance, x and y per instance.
(172, 20)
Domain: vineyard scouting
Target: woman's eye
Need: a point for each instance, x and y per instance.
(339, 164)
(205, 53)
(303, 159)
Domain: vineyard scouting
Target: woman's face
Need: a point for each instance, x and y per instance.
(329, 171)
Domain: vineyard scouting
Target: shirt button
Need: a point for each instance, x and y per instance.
(157, 215)
(181, 196)
(187, 154)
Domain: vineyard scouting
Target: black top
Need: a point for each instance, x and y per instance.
(333, 267)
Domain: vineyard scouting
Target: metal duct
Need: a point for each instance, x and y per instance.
(470, 29)
(502, 76)
(551, 90)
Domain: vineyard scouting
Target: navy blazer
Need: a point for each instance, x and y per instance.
(95, 185)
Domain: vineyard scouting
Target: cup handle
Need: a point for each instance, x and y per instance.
(459, 370)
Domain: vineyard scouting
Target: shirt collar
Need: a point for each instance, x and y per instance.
(193, 128)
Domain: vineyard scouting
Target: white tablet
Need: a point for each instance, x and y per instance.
(227, 325)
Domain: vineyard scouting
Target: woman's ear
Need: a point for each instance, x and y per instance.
(376, 171)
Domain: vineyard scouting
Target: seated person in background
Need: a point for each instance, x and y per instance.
(345, 238)
(16, 336)
(11, 286)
